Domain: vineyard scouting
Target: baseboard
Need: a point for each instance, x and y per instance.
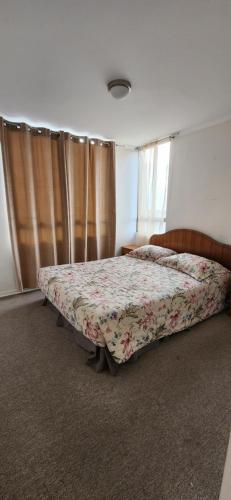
(9, 293)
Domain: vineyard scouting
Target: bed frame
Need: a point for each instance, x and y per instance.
(191, 241)
(180, 240)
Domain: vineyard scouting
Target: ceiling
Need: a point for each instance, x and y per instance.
(57, 56)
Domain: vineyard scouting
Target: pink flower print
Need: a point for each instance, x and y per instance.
(91, 331)
(193, 298)
(174, 319)
(203, 267)
(145, 322)
(95, 295)
(126, 342)
(210, 302)
(57, 299)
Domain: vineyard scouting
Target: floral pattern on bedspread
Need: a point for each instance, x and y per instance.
(126, 303)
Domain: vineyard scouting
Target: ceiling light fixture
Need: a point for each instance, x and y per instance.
(119, 88)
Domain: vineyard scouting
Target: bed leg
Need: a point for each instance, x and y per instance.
(60, 321)
(45, 301)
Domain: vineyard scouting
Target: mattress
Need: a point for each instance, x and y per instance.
(125, 303)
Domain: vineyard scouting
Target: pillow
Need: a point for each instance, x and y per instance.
(150, 252)
(195, 266)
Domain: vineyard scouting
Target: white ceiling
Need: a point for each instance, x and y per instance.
(57, 55)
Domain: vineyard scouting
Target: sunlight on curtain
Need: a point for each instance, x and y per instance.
(8, 281)
(152, 190)
(60, 192)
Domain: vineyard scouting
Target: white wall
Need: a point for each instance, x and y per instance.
(126, 196)
(200, 182)
(8, 282)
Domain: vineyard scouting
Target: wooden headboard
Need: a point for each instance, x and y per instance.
(190, 241)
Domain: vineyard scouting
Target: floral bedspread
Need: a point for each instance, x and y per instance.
(126, 303)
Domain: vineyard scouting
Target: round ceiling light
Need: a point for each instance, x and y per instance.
(119, 88)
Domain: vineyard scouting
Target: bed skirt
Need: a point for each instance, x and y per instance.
(99, 358)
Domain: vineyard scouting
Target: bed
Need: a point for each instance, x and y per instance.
(121, 305)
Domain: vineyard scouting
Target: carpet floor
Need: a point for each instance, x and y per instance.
(159, 430)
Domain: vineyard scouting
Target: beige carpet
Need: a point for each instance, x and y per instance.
(159, 430)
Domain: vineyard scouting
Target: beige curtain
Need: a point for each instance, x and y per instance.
(90, 167)
(101, 201)
(61, 198)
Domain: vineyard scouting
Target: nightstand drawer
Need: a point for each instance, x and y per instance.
(128, 248)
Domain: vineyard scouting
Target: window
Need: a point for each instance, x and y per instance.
(152, 190)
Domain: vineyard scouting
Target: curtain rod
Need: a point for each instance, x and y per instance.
(44, 130)
(126, 146)
(158, 141)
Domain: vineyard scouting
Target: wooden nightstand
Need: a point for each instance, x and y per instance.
(128, 248)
